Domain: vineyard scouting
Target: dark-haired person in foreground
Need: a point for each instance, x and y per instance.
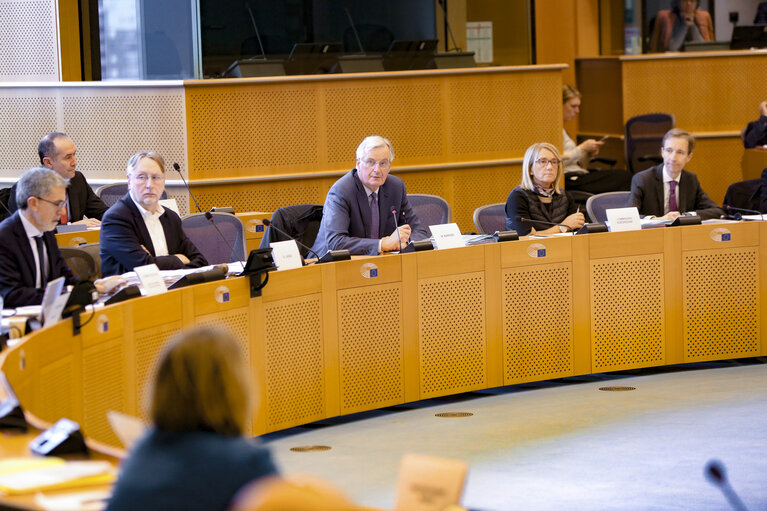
(195, 457)
(29, 254)
(357, 215)
(137, 230)
(540, 198)
(57, 152)
(667, 191)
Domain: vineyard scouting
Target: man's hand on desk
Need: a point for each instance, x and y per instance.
(109, 284)
(184, 259)
(392, 242)
(89, 222)
(671, 215)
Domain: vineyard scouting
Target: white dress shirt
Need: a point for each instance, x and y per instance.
(153, 225)
(33, 231)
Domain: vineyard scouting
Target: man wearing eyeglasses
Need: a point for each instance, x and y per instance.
(357, 215)
(29, 255)
(137, 230)
(82, 206)
(668, 191)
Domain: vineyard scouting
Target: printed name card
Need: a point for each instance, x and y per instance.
(447, 236)
(623, 219)
(151, 280)
(286, 255)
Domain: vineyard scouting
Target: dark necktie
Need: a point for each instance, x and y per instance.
(672, 206)
(41, 260)
(374, 216)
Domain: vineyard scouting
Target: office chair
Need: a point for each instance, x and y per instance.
(109, 194)
(644, 138)
(490, 218)
(301, 222)
(598, 204)
(209, 242)
(430, 209)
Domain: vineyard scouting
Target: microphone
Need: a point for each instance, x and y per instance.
(258, 36)
(552, 224)
(269, 223)
(396, 227)
(717, 475)
(443, 4)
(208, 214)
(178, 169)
(354, 29)
(738, 211)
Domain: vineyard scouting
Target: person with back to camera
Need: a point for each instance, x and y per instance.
(540, 197)
(195, 456)
(682, 23)
(576, 157)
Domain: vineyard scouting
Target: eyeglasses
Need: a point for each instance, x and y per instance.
(383, 164)
(58, 204)
(142, 178)
(670, 151)
(543, 162)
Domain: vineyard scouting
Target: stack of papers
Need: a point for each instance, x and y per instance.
(28, 475)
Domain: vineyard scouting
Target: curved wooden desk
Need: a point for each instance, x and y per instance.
(340, 338)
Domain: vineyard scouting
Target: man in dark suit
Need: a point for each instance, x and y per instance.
(29, 255)
(83, 206)
(137, 230)
(761, 14)
(668, 191)
(357, 215)
(756, 131)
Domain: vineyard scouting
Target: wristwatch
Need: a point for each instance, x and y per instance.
(563, 228)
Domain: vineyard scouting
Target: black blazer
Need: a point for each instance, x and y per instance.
(17, 264)
(647, 194)
(82, 200)
(123, 232)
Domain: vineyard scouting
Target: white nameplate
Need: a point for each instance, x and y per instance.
(151, 280)
(52, 314)
(52, 291)
(447, 236)
(286, 255)
(623, 219)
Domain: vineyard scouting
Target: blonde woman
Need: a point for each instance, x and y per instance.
(539, 201)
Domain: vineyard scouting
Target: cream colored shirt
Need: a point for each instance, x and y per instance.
(153, 225)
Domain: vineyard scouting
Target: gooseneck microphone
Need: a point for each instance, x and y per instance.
(208, 214)
(552, 224)
(396, 227)
(269, 223)
(738, 212)
(717, 475)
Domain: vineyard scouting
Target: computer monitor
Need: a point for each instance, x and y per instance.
(313, 58)
(413, 54)
(748, 36)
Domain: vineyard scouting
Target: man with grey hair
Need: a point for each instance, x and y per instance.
(57, 152)
(137, 230)
(360, 207)
(29, 255)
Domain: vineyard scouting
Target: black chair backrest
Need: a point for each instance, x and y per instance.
(80, 262)
(643, 140)
(301, 222)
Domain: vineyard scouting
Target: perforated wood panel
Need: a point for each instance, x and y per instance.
(110, 125)
(182, 199)
(261, 196)
(627, 313)
(371, 351)
(28, 41)
(537, 323)
(149, 344)
(721, 304)
(351, 117)
(433, 183)
(716, 162)
(294, 361)
(103, 389)
(56, 401)
(502, 114)
(451, 334)
(235, 322)
(731, 87)
(26, 117)
(259, 128)
(473, 188)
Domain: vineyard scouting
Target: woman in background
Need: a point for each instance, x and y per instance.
(539, 200)
(682, 23)
(195, 456)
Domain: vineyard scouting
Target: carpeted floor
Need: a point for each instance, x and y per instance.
(563, 444)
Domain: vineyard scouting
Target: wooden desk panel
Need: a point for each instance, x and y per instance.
(322, 344)
(75, 239)
(753, 163)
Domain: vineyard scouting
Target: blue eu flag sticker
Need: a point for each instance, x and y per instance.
(260, 228)
(541, 252)
(225, 297)
(373, 272)
(726, 236)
